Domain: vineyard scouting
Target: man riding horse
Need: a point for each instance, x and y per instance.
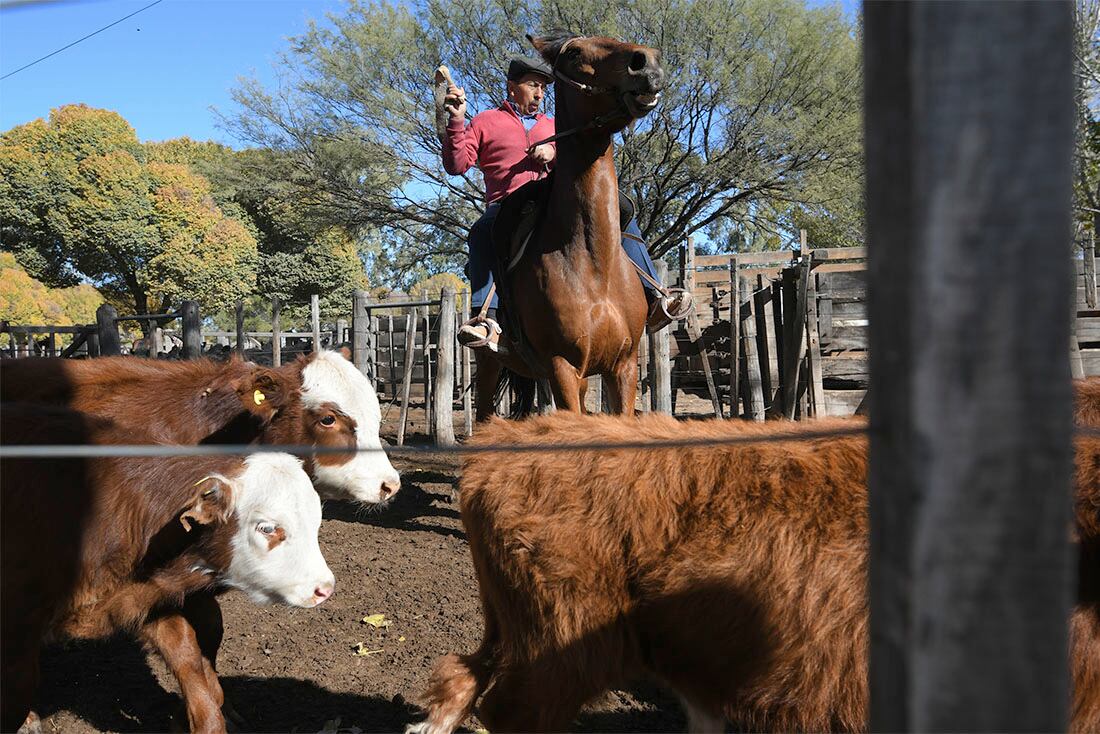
(504, 143)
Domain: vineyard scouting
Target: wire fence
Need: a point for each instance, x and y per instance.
(32, 451)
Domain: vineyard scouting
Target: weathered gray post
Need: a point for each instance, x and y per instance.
(107, 330)
(754, 387)
(315, 320)
(192, 329)
(1089, 263)
(443, 411)
(661, 368)
(406, 379)
(276, 332)
(240, 328)
(735, 335)
(970, 566)
(467, 377)
(338, 332)
(360, 334)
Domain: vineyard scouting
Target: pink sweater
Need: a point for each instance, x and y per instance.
(497, 143)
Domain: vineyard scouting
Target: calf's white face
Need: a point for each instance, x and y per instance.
(340, 409)
(276, 557)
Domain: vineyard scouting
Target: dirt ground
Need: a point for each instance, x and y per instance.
(298, 670)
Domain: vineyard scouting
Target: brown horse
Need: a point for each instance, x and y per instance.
(575, 296)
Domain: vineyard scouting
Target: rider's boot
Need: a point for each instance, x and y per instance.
(665, 308)
(482, 332)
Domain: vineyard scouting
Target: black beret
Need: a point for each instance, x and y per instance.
(520, 65)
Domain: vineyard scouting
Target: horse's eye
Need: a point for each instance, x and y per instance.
(328, 420)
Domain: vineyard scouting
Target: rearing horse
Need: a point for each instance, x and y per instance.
(574, 294)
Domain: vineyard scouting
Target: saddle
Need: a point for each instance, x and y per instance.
(520, 213)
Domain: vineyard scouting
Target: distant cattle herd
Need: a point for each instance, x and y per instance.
(736, 574)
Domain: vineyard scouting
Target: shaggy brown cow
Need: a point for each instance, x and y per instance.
(1085, 623)
(735, 574)
(1087, 401)
(328, 402)
(93, 546)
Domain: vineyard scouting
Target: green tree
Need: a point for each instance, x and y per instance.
(24, 300)
(763, 102)
(79, 199)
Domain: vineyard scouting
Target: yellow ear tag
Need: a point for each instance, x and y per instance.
(258, 397)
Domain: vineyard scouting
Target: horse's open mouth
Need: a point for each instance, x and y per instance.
(640, 103)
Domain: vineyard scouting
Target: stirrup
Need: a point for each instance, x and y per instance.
(493, 329)
(687, 303)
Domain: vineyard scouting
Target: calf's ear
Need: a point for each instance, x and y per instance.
(212, 502)
(345, 353)
(262, 393)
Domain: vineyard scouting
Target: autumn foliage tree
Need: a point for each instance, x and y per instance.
(81, 201)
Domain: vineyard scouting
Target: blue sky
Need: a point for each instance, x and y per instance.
(163, 69)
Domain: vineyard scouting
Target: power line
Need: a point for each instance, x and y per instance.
(85, 38)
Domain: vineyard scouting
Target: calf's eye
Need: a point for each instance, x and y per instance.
(267, 528)
(328, 420)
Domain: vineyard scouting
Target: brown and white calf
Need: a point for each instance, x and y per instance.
(89, 547)
(734, 574)
(322, 400)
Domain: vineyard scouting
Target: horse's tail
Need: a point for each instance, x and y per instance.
(523, 391)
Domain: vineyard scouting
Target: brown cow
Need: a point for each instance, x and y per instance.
(93, 546)
(735, 574)
(1087, 401)
(1085, 623)
(330, 404)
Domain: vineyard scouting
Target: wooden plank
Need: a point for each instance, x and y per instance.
(813, 348)
(315, 320)
(779, 257)
(406, 379)
(701, 351)
(735, 335)
(661, 364)
(753, 388)
(1088, 271)
(764, 345)
(442, 411)
(776, 398)
(276, 327)
(361, 337)
(843, 402)
(106, 318)
(970, 578)
(644, 388)
(794, 342)
(239, 319)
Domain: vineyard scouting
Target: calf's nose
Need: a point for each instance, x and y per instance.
(322, 592)
(389, 488)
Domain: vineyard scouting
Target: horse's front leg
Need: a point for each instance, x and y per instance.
(565, 383)
(486, 379)
(621, 386)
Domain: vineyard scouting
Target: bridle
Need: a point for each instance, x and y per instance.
(589, 90)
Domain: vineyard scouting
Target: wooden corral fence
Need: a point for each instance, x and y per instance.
(803, 329)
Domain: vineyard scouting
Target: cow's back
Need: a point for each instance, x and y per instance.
(174, 401)
(721, 567)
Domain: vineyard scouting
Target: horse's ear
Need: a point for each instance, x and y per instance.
(547, 50)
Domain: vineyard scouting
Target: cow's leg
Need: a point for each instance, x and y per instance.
(542, 697)
(565, 383)
(485, 383)
(456, 683)
(174, 639)
(622, 387)
(18, 682)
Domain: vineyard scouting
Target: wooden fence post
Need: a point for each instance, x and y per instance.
(315, 320)
(426, 352)
(971, 578)
(107, 330)
(753, 389)
(406, 379)
(794, 348)
(1090, 271)
(735, 336)
(813, 348)
(276, 332)
(240, 327)
(661, 368)
(192, 329)
(361, 335)
(443, 411)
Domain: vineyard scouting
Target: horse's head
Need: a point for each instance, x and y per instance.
(609, 75)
